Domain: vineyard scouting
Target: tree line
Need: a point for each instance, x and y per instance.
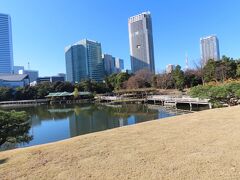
(212, 71)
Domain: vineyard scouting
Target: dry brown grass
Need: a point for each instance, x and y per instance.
(203, 145)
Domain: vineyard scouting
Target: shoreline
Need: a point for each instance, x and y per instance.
(200, 145)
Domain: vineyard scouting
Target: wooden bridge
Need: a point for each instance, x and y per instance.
(158, 99)
(23, 103)
(119, 99)
(174, 101)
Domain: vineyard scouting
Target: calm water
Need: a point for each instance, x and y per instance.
(54, 123)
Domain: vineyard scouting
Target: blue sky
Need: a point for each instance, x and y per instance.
(43, 28)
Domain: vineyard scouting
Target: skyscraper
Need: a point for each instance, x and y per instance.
(112, 65)
(141, 42)
(119, 64)
(209, 48)
(6, 54)
(109, 64)
(76, 63)
(84, 61)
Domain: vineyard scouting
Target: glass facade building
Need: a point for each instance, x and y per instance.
(6, 54)
(141, 42)
(109, 64)
(119, 64)
(84, 61)
(209, 48)
(76, 63)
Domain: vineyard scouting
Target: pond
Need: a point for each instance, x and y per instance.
(54, 123)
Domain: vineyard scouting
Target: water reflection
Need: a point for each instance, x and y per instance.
(53, 123)
(97, 118)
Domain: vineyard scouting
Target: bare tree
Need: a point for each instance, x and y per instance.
(165, 81)
(199, 65)
(141, 79)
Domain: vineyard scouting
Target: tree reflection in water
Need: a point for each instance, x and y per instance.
(53, 123)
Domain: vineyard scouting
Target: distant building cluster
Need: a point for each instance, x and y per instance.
(50, 79)
(10, 75)
(85, 60)
(112, 65)
(209, 49)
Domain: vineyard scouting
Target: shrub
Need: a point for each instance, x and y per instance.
(218, 94)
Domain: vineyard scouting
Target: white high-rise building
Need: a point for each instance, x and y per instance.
(6, 54)
(209, 48)
(170, 68)
(141, 42)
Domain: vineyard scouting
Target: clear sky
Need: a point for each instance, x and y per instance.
(43, 28)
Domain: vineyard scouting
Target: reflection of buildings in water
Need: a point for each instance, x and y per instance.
(126, 121)
(121, 122)
(147, 117)
(50, 115)
(87, 122)
(35, 120)
(100, 118)
(165, 114)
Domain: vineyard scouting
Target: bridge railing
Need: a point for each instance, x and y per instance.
(109, 98)
(176, 99)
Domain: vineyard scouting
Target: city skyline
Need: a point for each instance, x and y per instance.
(176, 30)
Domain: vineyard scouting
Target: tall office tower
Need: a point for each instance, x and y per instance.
(119, 64)
(209, 48)
(141, 42)
(6, 54)
(76, 63)
(109, 64)
(84, 61)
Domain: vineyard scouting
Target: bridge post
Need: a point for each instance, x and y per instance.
(210, 105)
(190, 106)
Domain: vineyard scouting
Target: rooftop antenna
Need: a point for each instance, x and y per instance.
(187, 65)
